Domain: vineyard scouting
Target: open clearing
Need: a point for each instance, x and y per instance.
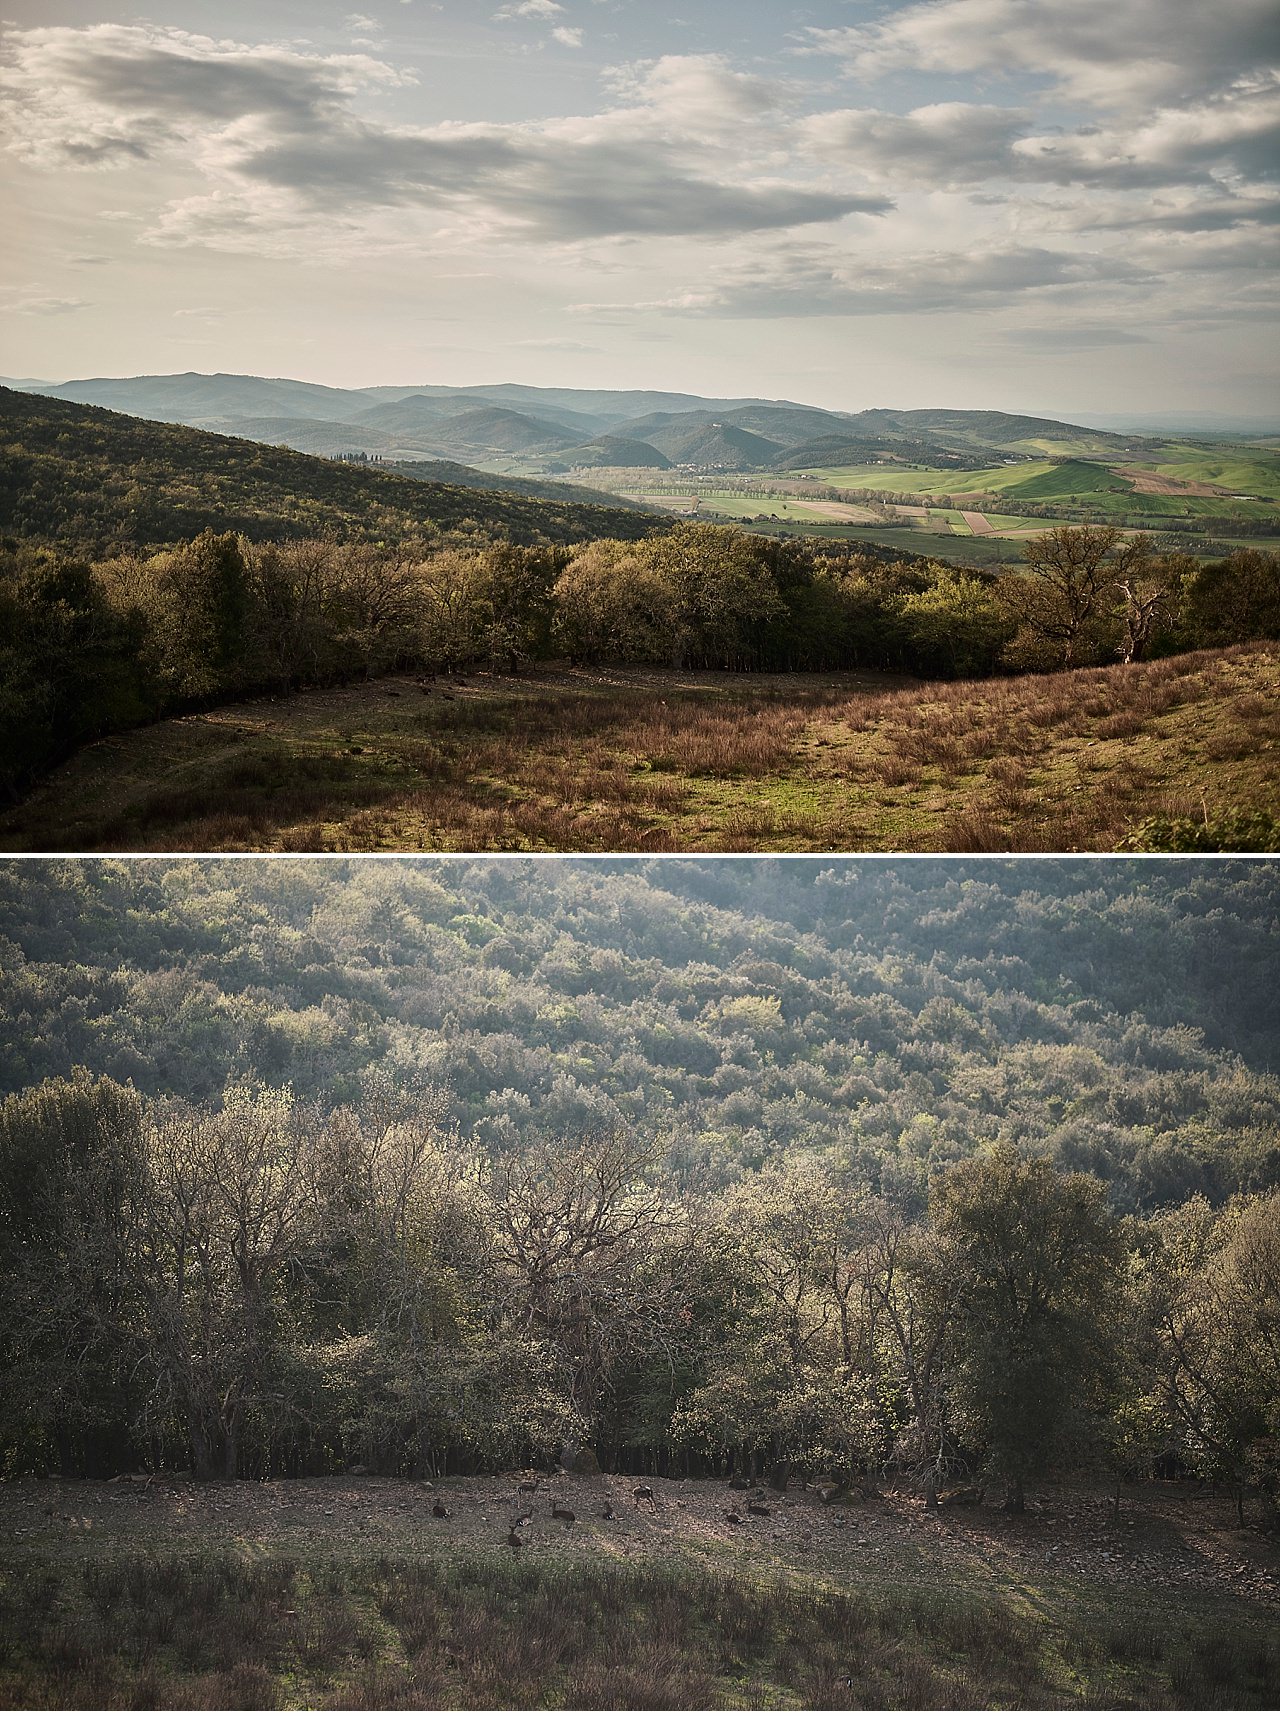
(350, 1593)
(635, 760)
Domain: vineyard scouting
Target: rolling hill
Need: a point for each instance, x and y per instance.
(531, 428)
(618, 452)
(96, 482)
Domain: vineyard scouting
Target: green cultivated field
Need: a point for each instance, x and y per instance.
(1082, 483)
(1241, 470)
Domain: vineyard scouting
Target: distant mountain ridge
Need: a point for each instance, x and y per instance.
(515, 428)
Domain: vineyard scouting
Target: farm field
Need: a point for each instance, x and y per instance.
(639, 760)
(1181, 486)
(348, 1593)
(745, 507)
(742, 508)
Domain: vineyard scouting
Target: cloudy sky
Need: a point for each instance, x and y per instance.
(1047, 205)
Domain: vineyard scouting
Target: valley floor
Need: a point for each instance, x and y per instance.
(650, 761)
(350, 1592)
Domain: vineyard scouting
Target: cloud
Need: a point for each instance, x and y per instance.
(947, 143)
(567, 36)
(1231, 136)
(111, 93)
(29, 303)
(822, 280)
(1111, 55)
(284, 151)
(531, 9)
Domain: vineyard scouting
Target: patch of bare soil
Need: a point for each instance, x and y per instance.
(1172, 1536)
(1148, 482)
(844, 512)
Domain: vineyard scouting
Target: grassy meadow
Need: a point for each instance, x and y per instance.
(333, 1594)
(637, 760)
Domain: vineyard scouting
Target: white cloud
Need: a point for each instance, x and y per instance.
(945, 143)
(531, 9)
(33, 302)
(1108, 54)
(822, 280)
(288, 158)
(569, 36)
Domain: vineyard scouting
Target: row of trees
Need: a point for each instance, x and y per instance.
(263, 1287)
(86, 650)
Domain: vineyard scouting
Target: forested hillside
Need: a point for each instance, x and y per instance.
(1119, 1015)
(94, 482)
(452, 1166)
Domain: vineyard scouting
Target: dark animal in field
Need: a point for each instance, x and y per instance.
(734, 1518)
(565, 1513)
(759, 1508)
(524, 1519)
(644, 1492)
(515, 1540)
(440, 1510)
(739, 1483)
(608, 1512)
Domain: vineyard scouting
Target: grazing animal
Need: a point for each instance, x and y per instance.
(565, 1513)
(524, 1519)
(515, 1540)
(608, 1512)
(739, 1483)
(440, 1510)
(644, 1492)
(734, 1518)
(759, 1508)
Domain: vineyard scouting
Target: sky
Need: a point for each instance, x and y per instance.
(1058, 206)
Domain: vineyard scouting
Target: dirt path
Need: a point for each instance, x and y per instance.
(979, 523)
(1166, 1535)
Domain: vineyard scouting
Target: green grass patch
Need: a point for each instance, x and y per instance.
(232, 1631)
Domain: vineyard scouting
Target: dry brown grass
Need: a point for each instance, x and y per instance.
(663, 763)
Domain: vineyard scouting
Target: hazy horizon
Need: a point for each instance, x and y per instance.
(968, 204)
(1176, 419)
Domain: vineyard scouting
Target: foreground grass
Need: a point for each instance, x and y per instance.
(667, 762)
(228, 1630)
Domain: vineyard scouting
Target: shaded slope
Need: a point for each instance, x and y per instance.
(619, 451)
(95, 481)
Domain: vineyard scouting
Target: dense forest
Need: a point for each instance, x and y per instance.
(949, 1169)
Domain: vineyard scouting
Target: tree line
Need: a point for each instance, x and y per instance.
(90, 648)
(266, 1289)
